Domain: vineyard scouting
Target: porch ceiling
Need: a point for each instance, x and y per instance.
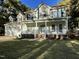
(30, 24)
(39, 24)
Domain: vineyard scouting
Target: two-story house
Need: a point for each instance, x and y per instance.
(43, 21)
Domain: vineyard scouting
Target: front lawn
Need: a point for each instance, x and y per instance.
(15, 49)
(48, 49)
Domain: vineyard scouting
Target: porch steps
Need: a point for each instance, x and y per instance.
(38, 51)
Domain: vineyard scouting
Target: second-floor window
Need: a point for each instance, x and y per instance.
(43, 11)
(30, 17)
(43, 14)
(58, 12)
(54, 13)
(0, 8)
(1, 2)
(63, 12)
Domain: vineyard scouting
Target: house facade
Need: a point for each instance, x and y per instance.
(43, 21)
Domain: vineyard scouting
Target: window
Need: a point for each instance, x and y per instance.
(63, 12)
(43, 14)
(53, 28)
(1, 2)
(29, 16)
(0, 8)
(60, 27)
(43, 11)
(54, 13)
(42, 28)
(59, 12)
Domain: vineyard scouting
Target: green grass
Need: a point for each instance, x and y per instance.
(63, 50)
(15, 49)
(55, 49)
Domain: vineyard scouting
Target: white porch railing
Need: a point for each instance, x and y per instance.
(37, 30)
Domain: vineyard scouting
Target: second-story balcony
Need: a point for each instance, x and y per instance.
(45, 16)
(51, 13)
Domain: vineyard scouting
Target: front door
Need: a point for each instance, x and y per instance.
(60, 27)
(42, 29)
(42, 32)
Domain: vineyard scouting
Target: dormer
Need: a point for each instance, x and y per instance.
(12, 18)
(30, 15)
(20, 17)
(42, 11)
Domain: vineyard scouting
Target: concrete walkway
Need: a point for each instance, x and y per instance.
(6, 38)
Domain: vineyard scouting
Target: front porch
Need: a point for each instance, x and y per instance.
(43, 29)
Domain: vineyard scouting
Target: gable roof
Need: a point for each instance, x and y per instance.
(33, 4)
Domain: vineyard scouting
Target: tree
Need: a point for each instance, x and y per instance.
(13, 7)
(65, 2)
(74, 13)
(10, 7)
(18, 5)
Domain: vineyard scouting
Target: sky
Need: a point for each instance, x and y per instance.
(33, 4)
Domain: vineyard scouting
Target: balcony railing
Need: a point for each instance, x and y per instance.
(44, 17)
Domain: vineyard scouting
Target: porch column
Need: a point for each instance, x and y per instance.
(46, 25)
(45, 28)
(67, 23)
(35, 29)
(57, 30)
